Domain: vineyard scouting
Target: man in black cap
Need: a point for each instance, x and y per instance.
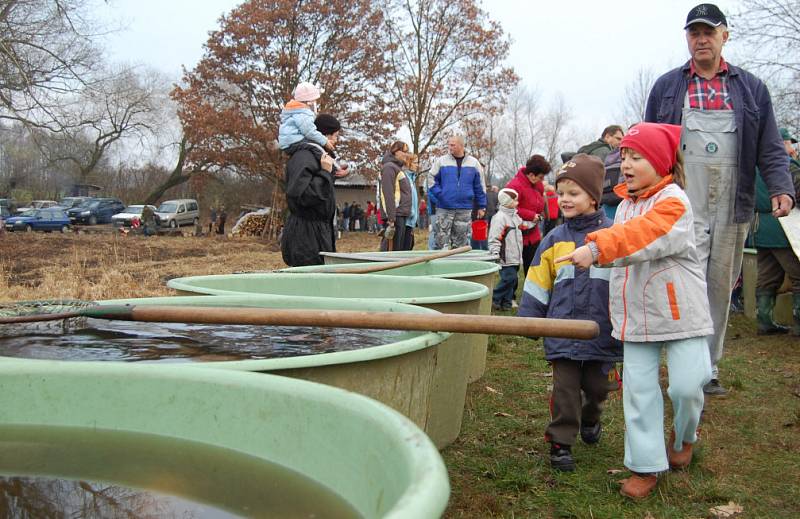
(729, 129)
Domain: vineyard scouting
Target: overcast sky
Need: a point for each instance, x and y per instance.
(586, 50)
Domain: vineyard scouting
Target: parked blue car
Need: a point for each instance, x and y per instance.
(96, 210)
(39, 220)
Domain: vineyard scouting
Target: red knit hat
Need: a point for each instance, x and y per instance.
(655, 142)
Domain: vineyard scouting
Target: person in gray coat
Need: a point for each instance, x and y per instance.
(396, 198)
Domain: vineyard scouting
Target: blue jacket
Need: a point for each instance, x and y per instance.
(297, 123)
(458, 188)
(567, 292)
(760, 142)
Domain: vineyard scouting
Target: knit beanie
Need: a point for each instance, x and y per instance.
(306, 92)
(655, 142)
(327, 124)
(587, 171)
(506, 195)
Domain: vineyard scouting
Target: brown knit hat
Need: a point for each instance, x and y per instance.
(587, 171)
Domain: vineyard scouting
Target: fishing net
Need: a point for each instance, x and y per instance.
(67, 308)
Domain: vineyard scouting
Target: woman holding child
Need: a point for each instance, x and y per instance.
(529, 185)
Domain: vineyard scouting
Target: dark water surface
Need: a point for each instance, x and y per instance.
(57, 472)
(175, 342)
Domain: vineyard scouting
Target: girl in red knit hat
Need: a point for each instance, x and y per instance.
(658, 301)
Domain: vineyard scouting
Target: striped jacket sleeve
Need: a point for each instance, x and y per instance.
(664, 230)
(539, 283)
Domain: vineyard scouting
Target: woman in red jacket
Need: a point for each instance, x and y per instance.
(528, 183)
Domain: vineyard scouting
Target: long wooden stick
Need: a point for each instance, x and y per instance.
(386, 265)
(457, 323)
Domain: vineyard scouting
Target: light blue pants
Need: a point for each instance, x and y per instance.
(689, 365)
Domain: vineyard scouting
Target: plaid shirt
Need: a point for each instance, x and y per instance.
(710, 94)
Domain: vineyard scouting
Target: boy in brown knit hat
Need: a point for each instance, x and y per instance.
(561, 291)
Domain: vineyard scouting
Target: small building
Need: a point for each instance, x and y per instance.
(355, 187)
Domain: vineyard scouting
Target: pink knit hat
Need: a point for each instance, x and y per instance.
(656, 142)
(306, 92)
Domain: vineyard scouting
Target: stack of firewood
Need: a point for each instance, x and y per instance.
(251, 224)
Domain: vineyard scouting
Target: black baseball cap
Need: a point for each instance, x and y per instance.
(708, 14)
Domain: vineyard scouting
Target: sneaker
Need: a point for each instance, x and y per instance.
(514, 304)
(590, 433)
(496, 307)
(638, 486)
(561, 457)
(714, 388)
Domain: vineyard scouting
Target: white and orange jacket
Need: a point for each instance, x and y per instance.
(657, 289)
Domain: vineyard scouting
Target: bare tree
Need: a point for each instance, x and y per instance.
(126, 105)
(446, 65)
(556, 128)
(768, 34)
(46, 52)
(521, 131)
(634, 98)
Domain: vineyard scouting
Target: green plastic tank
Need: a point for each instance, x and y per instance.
(332, 258)
(445, 295)
(404, 374)
(482, 272)
(371, 456)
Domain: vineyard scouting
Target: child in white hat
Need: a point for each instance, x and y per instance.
(297, 118)
(505, 240)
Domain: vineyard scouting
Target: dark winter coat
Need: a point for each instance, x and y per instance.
(395, 188)
(564, 291)
(767, 231)
(760, 143)
(312, 205)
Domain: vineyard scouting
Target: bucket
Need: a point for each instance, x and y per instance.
(482, 272)
(369, 455)
(480, 230)
(444, 295)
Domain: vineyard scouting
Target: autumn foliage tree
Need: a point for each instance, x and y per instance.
(230, 104)
(447, 63)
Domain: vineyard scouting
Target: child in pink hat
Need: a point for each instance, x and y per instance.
(658, 301)
(297, 118)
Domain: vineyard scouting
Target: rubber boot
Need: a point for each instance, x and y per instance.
(765, 304)
(796, 314)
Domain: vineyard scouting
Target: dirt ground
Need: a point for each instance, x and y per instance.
(106, 265)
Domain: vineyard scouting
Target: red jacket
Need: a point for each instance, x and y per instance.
(531, 203)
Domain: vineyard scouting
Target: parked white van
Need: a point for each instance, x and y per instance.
(174, 213)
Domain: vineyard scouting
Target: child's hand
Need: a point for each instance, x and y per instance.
(581, 257)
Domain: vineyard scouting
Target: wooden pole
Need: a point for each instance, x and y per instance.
(456, 323)
(386, 265)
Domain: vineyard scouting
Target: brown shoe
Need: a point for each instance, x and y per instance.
(638, 486)
(678, 460)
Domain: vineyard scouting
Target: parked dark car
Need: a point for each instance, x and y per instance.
(96, 210)
(50, 219)
(68, 202)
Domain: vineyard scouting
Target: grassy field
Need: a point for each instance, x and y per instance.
(750, 441)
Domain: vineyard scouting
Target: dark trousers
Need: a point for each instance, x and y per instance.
(773, 265)
(403, 236)
(579, 390)
(528, 252)
(507, 286)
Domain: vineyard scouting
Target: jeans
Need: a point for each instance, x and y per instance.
(507, 286)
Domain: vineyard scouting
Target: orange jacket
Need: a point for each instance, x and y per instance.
(657, 288)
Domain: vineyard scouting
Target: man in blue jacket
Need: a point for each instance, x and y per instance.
(729, 129)
(458, 188)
